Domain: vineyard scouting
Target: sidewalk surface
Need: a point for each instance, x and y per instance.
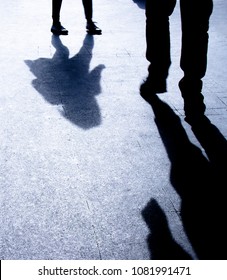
(88, 169)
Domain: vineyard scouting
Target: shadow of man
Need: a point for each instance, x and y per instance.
(70, 83)
(198, 181)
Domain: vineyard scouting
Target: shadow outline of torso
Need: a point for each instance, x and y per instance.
(199, 181)
(68, 82)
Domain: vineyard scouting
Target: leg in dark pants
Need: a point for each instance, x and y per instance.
(56, 7)
(195, 16)
(88, 9)
(92, 28)
(158, 44)
(57, 28)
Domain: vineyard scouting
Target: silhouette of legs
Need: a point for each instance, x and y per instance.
(88, 10)
(56, 7)
(158, 45)
(91, 27)
(58, 29)
(195, 24)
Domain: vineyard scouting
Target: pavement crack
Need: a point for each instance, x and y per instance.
(94, 232)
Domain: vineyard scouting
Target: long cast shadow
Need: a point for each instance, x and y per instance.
(197, 180)
(68, 82)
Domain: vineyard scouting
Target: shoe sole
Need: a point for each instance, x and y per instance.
(94, 32)
(59, 33)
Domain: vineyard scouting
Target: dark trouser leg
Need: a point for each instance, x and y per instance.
(56, 7)
(57, 28)
(92, 28)
(195, 16)
(158, 38)
(88, 9)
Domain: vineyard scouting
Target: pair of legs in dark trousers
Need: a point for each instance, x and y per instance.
(56, 7)
(195, 16)
(58, 29)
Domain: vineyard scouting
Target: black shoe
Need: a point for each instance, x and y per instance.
(58, 29)
(93, 29)
(150, 88)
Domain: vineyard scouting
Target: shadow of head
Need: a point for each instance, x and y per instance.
(160, 241)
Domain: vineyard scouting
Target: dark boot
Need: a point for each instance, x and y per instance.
(194, 106)
(92, 28)
(58, 29)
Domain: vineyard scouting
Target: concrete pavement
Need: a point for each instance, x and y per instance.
(88, 169)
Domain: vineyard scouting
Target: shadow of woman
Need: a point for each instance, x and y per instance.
(198, 184)
(70, 83)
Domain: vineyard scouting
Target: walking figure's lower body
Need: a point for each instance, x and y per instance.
(195, 16)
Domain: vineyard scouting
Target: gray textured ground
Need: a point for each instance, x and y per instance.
(85, 170)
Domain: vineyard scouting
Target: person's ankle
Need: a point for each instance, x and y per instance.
(56, 23)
